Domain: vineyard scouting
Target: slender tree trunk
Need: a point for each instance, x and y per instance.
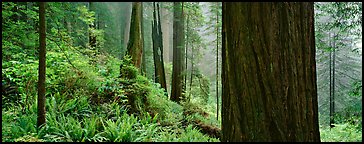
(144, 65)
(217, 65)
(192, 74)
(42, 66)
(184, 72)
(178, 51)
(333, 78)
(135, 44)
(332, 120)
(185, 77)
(156, 45)
(269, 72)
(92, 37)
(160, 37)
(330, 71)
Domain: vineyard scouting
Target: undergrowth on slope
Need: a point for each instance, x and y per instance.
(85, 102)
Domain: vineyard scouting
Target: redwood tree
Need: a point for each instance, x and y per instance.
(178, 52)
(42, 66)
(269, 72)
(158, 48)
(135, 44)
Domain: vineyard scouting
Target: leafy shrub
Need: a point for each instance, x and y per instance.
(121, 130)
(341, 133)
(193, 135)
(17, 124)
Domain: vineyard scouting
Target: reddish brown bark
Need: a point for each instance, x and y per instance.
(269, 72)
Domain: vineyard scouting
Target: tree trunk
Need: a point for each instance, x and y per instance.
(269, 72)
(42, 66)
(144, 67)
(160, 38)
(156, 56)
(330, 86)
(217, 64)
(178, 51)
(92, 37)
(127, 26)
(183, 55)
(186, 53)
(135, 44)
(192, 74)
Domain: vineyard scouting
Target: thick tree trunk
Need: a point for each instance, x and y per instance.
(135, 44)
(269, 72)
(42, 66)
(178, 51)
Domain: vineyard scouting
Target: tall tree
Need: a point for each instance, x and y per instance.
(92, 26)
(178, 52)
(214, 29)
(339, 22)
(158, 48)
(42, 66)
(166, 28)
(186, 53)
(269, 72)
(135, 44)
(160, 41)
(144, 61)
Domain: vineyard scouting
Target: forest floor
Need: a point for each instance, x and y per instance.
(86, 101)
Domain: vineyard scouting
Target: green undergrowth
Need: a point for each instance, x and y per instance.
(345, 132)
(86, 102)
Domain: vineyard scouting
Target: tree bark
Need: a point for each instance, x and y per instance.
(135, 44)
(42, 66)
(178, 51)
(269, 72)
(160, 38)
(156, 45)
